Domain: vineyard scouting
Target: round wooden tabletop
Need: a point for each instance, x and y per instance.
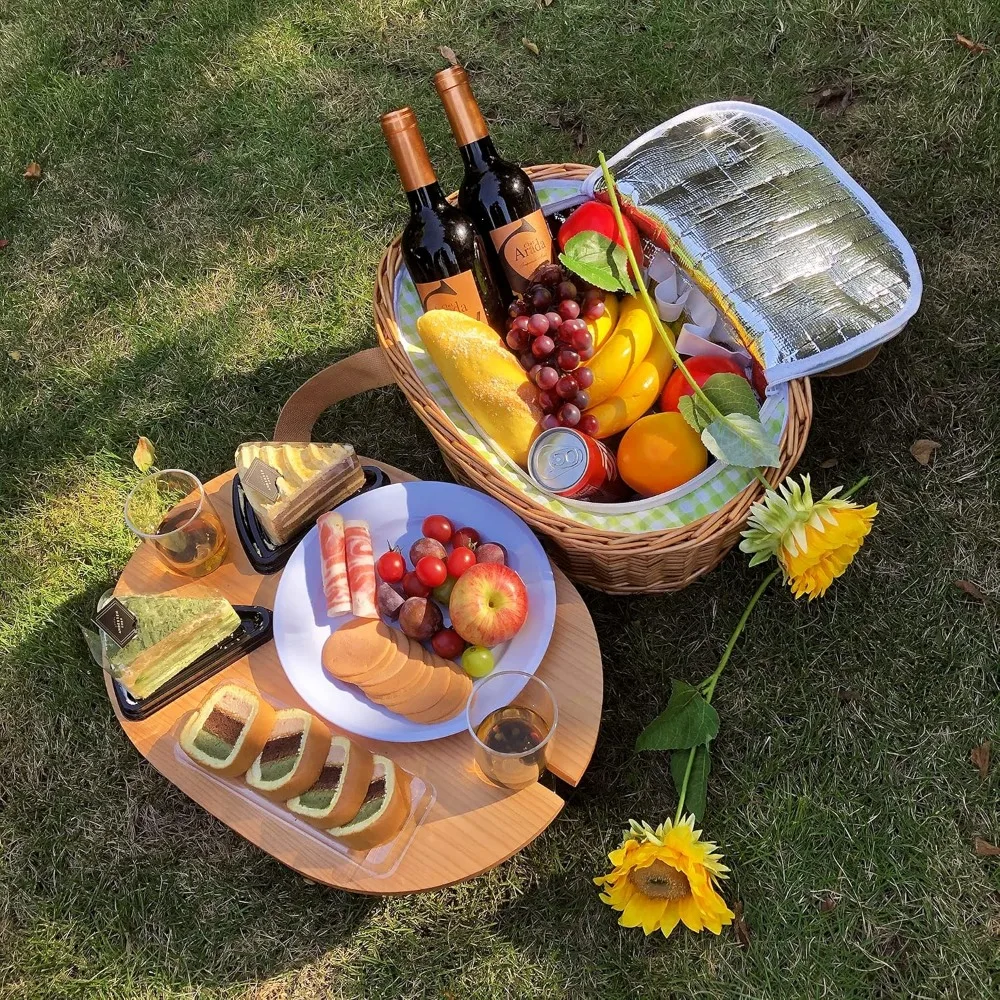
(472, 825)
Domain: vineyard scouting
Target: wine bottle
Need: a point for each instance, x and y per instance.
(443, 251)
(497, 194)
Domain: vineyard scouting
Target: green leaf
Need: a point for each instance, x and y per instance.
(696, 796)
(741, 440)
(731, 394)
(687, 721)
(598, 260)
(695, 412)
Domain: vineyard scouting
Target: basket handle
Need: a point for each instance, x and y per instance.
(360, 372)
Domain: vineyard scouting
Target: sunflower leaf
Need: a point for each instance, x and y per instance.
(687, 721)
(696, 796)
(738, 439)
(731, 394)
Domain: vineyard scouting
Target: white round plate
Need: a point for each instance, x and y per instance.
(394, 515)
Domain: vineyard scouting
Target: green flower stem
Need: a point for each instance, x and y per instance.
(862, 482)
(707, 686)
(651, 306)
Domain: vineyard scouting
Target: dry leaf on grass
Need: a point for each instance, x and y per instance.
(740, 925)
(33, 171)
(530, 46)
(828, 903)
(984, 848)
(967, 43)
(968, 587)
(833, 100)
(448, 53)
(923, 448)
(4, 244)
(546, 3)
(15, 355)
(144, 455)
(828, 463)
(980, 758)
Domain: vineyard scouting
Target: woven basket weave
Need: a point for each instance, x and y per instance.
(652, 562)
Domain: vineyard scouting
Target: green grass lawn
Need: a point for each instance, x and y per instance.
(214, 199)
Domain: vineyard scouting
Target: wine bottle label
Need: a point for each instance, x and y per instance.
(459, 293)
(522, 245)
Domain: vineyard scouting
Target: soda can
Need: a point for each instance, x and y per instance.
(570, 464)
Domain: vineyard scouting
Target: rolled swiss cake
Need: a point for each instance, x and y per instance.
(292, 758)
(383, 811)
(228, 731)
(340, 790)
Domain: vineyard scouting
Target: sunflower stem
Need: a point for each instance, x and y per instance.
(707, 686)
(860, 484)
(609, 183)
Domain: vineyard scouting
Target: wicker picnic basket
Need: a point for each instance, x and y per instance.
(616, 562)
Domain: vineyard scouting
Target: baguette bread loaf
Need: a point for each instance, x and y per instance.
(338, 793)
(383, 811)
(228, 731)
(292, 758)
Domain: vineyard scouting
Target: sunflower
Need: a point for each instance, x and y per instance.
(665, 876)
(814, 540)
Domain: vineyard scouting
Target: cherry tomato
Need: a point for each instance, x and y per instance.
(391, 566)
(438, 527)
(412, 586)
(431, 571)
(466, 537)
(460, 560)
(448, 644)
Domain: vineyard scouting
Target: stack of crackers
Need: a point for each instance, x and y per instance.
(396, 671)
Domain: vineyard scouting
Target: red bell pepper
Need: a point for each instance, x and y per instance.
(597, 217)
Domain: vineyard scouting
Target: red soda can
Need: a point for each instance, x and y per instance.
(570, 464)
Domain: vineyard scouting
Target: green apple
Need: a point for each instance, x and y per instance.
(477, 661)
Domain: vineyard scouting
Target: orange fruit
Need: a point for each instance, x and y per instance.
(660, 452)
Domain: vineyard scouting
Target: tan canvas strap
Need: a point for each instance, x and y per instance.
(360, 372)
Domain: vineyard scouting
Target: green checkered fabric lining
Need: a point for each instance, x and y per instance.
(701, 497)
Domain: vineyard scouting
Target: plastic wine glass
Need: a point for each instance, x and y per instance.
(512, 716)
(171, 511)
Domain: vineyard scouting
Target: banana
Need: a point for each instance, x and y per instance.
(624, 349)
(637, 393)
(600, 329)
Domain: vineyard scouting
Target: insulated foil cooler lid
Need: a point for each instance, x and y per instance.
(812, 268)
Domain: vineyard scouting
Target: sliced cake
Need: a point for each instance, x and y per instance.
(340, 789)
(383, 811)
(299, 481)
(228, 731)
(172, 633)
(292, 759)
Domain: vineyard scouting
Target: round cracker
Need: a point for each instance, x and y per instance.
(392, 675)
(355, 648)
(415, 677)
(428, 696)
(455, 699)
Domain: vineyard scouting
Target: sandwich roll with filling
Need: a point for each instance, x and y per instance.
(383, 811)
(292, 759)
(228, 731)
(339, 791)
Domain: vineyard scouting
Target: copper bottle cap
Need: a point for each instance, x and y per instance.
(464, 116)
(406, 145)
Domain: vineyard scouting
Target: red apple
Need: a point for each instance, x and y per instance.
(488, 605)
(701, 369)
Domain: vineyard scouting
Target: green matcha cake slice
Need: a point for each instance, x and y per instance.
(340, 788)
(172, 633)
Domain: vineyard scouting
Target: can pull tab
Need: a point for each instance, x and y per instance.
(561, 457)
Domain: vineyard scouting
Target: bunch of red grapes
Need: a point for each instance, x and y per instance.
(547, 329)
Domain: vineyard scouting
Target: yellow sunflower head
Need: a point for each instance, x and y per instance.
(665, 876)
(814, 540)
